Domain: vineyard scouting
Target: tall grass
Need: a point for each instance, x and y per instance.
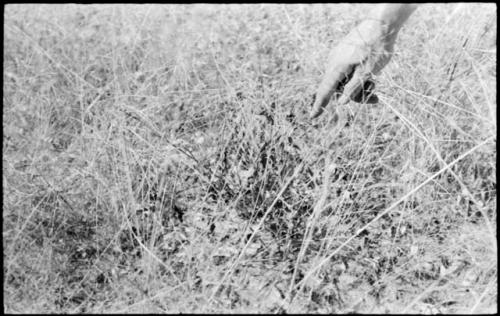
(159, 158)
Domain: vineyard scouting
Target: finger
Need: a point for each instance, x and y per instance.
(360, 88)
(353, 87)
(330, 86)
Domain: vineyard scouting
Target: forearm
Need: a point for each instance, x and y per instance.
(393, 15)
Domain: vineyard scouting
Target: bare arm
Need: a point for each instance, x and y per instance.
(361, 54)
(394, 14)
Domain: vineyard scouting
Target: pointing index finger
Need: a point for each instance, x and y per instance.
(331, 85)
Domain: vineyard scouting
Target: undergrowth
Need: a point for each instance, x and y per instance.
(159, 158)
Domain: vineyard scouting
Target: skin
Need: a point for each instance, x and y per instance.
(364, 52)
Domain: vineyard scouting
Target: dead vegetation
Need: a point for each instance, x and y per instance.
(160, 159)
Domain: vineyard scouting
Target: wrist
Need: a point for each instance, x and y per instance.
(393, 15)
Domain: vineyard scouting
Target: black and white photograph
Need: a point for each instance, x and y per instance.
(235, 158)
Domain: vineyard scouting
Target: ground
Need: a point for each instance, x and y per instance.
(160, 158)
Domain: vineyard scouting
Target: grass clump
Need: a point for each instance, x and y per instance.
(160, 159)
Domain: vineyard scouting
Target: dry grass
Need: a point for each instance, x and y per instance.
(160, 159)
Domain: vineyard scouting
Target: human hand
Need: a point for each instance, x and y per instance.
(352, 63)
